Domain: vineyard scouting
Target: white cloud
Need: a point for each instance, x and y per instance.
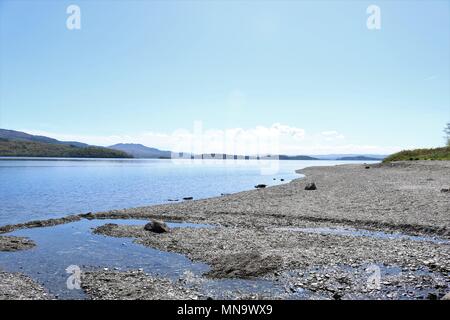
(297, 133)
(275, 139)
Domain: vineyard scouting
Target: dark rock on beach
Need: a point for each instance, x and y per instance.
(188, 198)
(156, 226)
(88, 215)
(444, 190)
(260, 186)
(311, 186)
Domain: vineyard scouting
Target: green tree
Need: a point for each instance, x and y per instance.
(447, 134)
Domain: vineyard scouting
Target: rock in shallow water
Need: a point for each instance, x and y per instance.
(156, 226)
(260, 186)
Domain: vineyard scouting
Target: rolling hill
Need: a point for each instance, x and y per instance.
(40, 149)
(141, 151)
(21, 144)
(13, 135)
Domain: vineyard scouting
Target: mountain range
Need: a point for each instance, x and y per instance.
(141, 151)
(13, 135)
(17, 143)
(20, 144)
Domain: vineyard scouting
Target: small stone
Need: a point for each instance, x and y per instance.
(337, 296)
(432, 296)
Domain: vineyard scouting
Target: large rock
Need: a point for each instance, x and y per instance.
(446, 297)
(244, 265)
(260, 186)
(311, 186)
(156, 226)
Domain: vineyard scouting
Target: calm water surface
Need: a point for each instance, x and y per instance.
(48, 188)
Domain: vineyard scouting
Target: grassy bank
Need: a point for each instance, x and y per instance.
(420, 154)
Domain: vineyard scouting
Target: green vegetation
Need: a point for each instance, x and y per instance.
(420, 154)
(10, 148)
(447, 134)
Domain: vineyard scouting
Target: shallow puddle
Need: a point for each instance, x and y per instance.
(61, 246)
(351, 232)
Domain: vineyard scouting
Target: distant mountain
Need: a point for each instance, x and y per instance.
(350, 156)
(360, 158)
(13, 135)
(284, 157)
(20, 144)
(141, 151)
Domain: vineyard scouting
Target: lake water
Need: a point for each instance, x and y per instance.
(47, 188)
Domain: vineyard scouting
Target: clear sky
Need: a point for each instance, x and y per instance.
(312, 71)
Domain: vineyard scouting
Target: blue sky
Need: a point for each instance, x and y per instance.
(137, 71)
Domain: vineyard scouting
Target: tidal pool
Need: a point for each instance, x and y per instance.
(74, 244)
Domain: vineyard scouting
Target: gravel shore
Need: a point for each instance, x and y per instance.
(256, 233)
(389, 219)
(16, 286)
(402, 196)
(132, 285)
